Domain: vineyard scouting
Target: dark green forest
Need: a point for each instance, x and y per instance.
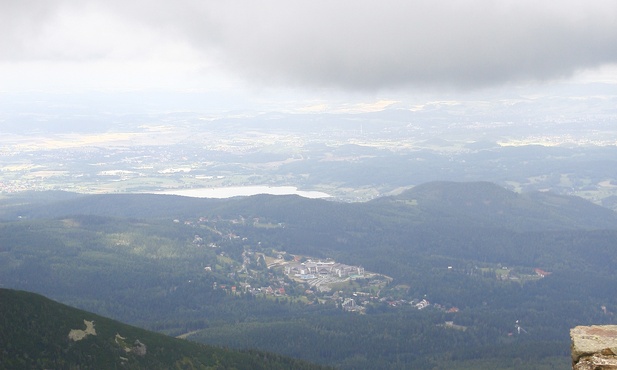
(34, 334)
(168, 263)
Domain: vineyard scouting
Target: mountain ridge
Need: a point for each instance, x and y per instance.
(488, 204)
(480, 203)
(36, 332)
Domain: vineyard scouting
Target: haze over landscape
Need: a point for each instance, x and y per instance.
(455, 162)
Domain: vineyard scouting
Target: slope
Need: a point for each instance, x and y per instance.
(36, 332)
(488, 205)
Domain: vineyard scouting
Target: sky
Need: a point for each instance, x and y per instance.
(305, 54)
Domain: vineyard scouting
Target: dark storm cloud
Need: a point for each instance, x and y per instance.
(369, 45)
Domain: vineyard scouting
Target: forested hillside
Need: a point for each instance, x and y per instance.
(458, 274)
(38, 333)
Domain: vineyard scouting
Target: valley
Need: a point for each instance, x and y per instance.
(336, 156)
(445, 272)
(306, 185)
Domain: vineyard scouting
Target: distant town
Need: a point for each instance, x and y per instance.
(274, 274)
(183, 154)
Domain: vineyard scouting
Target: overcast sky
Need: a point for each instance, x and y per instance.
(304, 49)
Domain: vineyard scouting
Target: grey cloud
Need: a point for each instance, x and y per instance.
(20, 21)
(367, 45)
(370, 45)
(29, 30)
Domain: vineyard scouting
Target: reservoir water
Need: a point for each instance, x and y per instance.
(236, 191)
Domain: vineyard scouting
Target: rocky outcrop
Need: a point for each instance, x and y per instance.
(594, 347)
(78, 334)
(139, 348)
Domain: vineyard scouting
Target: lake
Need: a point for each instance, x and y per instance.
(237, 191)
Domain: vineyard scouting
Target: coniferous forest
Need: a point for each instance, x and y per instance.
(457, 275)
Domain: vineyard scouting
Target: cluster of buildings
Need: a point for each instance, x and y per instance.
(358, 303)
(311, 270)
